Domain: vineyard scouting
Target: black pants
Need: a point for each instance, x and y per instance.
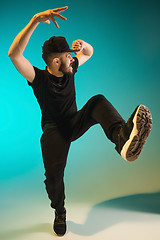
(56, 140)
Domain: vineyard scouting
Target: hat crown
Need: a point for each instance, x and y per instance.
(56, 45)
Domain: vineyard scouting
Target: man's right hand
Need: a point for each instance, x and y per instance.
(50, 14)
(21, 40)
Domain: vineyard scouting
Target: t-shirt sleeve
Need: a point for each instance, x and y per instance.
(75, 64)
(38, 78)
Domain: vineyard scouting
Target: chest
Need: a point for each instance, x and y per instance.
(60, 91)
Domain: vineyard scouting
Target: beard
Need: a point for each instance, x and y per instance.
(66, 70)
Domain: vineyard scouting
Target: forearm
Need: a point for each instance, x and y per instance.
(87, 49)
(21, 40)
(18, 46)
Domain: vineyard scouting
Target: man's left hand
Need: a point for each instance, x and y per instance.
(78, 45)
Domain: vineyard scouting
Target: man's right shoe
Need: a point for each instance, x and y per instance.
(60, 223)
(132, 136)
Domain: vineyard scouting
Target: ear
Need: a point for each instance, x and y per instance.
(56, 61)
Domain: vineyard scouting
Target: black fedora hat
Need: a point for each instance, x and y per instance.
(56, 45)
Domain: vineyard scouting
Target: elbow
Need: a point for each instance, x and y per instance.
(92, 50)
(10, 53)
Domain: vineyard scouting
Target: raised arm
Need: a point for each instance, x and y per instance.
(19, 44)
(84, 50)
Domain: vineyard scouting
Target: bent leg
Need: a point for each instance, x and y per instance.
(55, 149)
(97, 110)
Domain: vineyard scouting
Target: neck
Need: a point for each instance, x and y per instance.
(54, 72)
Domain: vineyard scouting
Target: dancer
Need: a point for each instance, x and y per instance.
(61, 122)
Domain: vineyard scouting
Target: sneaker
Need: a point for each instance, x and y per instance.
(132, 136)
(60, 223)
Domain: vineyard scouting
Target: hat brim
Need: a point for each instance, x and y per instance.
(71, 50)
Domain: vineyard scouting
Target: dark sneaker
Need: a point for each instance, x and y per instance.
(132, 136)
(60, 223)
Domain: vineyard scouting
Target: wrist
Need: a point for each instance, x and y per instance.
(35, 19)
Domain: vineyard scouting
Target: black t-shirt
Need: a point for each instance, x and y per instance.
(55, 95)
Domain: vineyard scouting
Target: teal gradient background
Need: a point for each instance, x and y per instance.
(125, 68)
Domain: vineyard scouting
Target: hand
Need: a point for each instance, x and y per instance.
(78, 46)
(50, 14)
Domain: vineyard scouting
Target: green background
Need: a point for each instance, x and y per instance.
(125, 67)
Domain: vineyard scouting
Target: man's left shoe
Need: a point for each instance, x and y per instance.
(132, 136)
(60, 223)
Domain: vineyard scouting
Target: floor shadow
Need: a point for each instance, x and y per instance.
(101, 216)
(149, 203)
(17, 233)
(111, 212)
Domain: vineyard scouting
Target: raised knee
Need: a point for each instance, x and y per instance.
(99, 97)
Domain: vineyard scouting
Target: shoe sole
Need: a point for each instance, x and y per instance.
(142, 124)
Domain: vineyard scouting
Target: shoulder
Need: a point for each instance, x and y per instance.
(39, 76)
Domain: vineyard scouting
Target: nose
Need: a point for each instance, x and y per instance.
(72, 60)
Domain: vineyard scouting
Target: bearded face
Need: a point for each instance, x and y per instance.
(66, 64)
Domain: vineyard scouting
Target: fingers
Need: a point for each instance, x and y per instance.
(60, 9)
(54, 13)
(59, 16)
(77, 46)
(54, 21)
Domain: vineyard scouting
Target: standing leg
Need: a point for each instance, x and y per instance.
(54, 150)
(55, 146)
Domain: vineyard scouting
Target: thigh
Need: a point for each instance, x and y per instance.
(83, 119)
(55, 149)
(98, 110)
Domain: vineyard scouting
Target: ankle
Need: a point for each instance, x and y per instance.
(60, 211)
(115, 132)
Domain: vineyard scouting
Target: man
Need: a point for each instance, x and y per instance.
(61, 122)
